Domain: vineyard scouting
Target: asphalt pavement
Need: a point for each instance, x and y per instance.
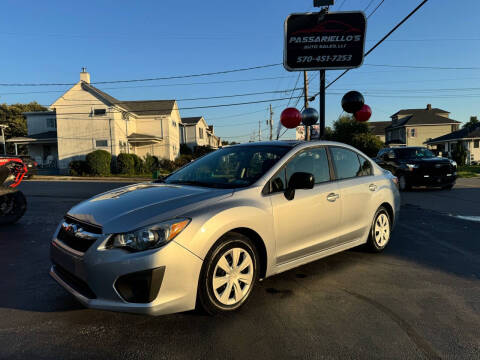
(420, 298)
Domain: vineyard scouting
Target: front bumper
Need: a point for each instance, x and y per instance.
(431, 180)
(93, 277)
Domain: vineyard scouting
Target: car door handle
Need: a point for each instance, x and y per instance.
(372, 187)
(332, 197)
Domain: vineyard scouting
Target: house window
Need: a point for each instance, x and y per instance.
(51, 123)
(200, 133)
(101, 143)
(174, 123)
(99, 112)
(413, 133)
(475, 144)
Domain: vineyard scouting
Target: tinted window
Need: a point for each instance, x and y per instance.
(346, 163)
(313, 161)
(365, 167)
(414, 153)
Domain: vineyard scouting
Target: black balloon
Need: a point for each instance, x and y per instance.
(309, 116)
(352, 102)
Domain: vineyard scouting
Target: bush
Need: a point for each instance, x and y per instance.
(125, 164)
(138, 164)
(151, 163)
(78, 168)
(98, 162)
(459, 154)
(202, 150)
(367, 143)
(182, 160)
(167, 165)
(185, 150)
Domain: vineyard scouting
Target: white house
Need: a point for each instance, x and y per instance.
(194, 131)
(468, 137)
(85, 118)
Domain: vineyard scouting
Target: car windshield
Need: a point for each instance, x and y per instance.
(232, 167)
(414, 153)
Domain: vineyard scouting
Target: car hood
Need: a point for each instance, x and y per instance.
(433, 160)
(139, 205)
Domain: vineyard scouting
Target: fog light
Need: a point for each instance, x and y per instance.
(141, 286)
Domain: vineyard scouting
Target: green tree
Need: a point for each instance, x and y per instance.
(472, 123)
(357, 134)
(12, 116)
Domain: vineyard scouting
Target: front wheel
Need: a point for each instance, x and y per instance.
(228, 275)
(12, 206)
(380, 230)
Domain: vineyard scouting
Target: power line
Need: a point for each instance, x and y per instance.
(373, 11)
(151, 79)
(424, 67)
(369, 4)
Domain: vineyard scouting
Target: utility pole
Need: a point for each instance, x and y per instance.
(270, 122)
(321, 132)
(2, 127)
(305, 99)
(259, 130)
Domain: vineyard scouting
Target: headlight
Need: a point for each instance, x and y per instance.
(412, 166)
(150, 237)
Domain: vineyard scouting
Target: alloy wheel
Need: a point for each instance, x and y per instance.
(233, 276)
(382, 230)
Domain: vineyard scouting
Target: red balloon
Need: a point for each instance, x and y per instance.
(363, 114)
(291, 118)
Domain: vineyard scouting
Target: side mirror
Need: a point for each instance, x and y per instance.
(299, 180)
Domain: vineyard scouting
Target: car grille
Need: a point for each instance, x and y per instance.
(78, 235)
(436, 169)
(74, 282)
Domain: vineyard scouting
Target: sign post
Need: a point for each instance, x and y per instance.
(323, 41)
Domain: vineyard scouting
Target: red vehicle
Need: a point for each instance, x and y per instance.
(12, 202)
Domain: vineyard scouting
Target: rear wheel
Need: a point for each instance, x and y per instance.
(228, 275)
(12, 206)
(402, 183)
(380, 230)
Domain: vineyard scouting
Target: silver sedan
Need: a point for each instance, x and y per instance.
(204, 235)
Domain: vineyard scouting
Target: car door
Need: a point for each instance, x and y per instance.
(356, 187)
(305, 224)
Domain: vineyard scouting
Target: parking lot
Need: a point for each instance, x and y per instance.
(418, 299)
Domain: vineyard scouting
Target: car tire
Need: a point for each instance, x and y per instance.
(13, 205)
(380, 230)
(223, 285)
(403, 185)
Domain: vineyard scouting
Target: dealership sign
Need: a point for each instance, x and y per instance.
(317, 41)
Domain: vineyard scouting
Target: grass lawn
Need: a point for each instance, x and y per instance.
(468, 171)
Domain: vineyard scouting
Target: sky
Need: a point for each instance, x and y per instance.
(50, 41)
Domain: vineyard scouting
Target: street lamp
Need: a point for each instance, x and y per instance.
(2, 127)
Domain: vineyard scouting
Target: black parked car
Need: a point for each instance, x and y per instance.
(32, 165)
(418, 166)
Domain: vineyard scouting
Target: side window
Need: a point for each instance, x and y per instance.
(313, 161)
(346, 163)
(365, 167)
(277, 183)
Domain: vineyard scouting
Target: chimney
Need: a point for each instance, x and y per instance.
(429, 106)
(84, 75)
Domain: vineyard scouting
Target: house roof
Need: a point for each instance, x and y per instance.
(191, 120)
(138, 136)
(415, 111)
(378, 127)
(141, 107)
(45, 136)
(427, 117)
(465, 133)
